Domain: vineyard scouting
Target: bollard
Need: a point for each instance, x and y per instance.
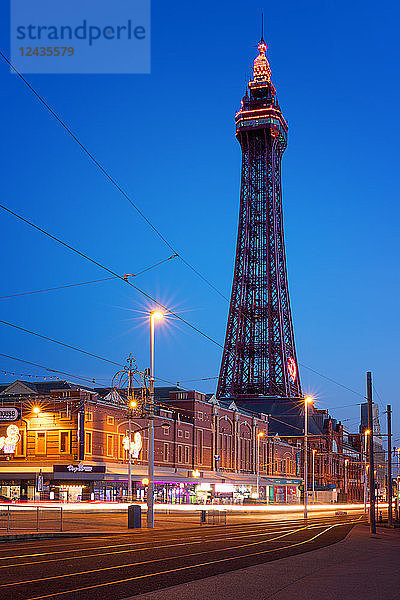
(134, 516)
(202, 517)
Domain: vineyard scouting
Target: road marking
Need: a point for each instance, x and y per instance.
(81, 589)
(124, 566)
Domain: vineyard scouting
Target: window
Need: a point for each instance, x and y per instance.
(65, 442)
(186, 454)
(122, 452)
(110, 420)
(88, 442)
(89, 416)
(110, 445)
(187, 435)
(40, 445)
(200, 447)
(166, 452)
(180, 433)
(200, 416)
(65, 415)
(179, 454)
(20, 449)
(166, 429)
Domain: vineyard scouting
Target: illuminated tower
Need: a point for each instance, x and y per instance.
(259, 356)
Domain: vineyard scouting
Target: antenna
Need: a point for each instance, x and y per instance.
(262, 26)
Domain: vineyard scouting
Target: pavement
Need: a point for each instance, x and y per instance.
(360, 567)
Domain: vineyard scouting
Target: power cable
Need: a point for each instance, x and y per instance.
(49, 339)
(69, 285)
(27, 362)
(333, 381)
(122, 278)
(111, 179)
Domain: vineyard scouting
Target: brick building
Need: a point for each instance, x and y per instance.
(69, 443)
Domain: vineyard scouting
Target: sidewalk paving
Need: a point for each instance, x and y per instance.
(360, 567)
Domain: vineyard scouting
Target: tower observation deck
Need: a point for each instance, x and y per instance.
(259, 357)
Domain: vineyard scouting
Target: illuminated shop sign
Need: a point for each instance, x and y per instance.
(79, 468)
(224, 488)
(9, 443)
(135, 446)
(9, 414)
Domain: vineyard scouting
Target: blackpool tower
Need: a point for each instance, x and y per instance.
(259, 357)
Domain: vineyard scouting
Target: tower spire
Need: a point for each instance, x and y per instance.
(262, 26)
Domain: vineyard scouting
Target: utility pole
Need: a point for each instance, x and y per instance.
(372, 516)
(389, 474)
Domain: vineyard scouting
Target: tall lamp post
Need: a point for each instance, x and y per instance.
(346, 462)
(307, 400)
(313, 475)
(260, 434)
(154, 315)
(366, 434)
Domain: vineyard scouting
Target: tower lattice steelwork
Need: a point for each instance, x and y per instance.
(259, 356)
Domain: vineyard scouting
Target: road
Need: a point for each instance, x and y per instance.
(114, 567)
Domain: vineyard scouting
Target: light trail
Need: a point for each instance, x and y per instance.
(147, 575)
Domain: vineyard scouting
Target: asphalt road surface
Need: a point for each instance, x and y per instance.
(114, 567)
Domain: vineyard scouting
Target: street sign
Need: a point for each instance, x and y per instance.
(11, 413)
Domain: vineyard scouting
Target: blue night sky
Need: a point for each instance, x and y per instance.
(168, 139)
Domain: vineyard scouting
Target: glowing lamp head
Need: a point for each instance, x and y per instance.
(308, 400)
(260, 434)
(145, 481)
(36, 410)
(367, 432)
(196, 473)
(314, 451)
(157, 314)
(133, 404)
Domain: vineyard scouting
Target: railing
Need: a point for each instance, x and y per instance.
(213, 517)
(30, 518)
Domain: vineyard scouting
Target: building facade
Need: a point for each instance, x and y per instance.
(72, 444)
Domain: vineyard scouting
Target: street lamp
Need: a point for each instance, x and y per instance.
(260, 434)
(313, 475)
(36, 410)
(366, 434)
(155, 315)
(307, 400)
(346, 462)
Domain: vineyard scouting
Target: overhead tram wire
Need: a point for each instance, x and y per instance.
(169, 311)
(121, 277)
(49, 339)
(28, 362)
(111, 179)
(69, 285)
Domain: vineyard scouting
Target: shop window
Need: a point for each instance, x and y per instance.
(65, 442)
(166, 452)
(179, 453)
(187, 435)
(88, 442)
(122, 452)
(110, 420)
(40, 443)
(200, 447)
(20, 449)
(180, 433)
(110, 445)
(186, 454)
(89, 416)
